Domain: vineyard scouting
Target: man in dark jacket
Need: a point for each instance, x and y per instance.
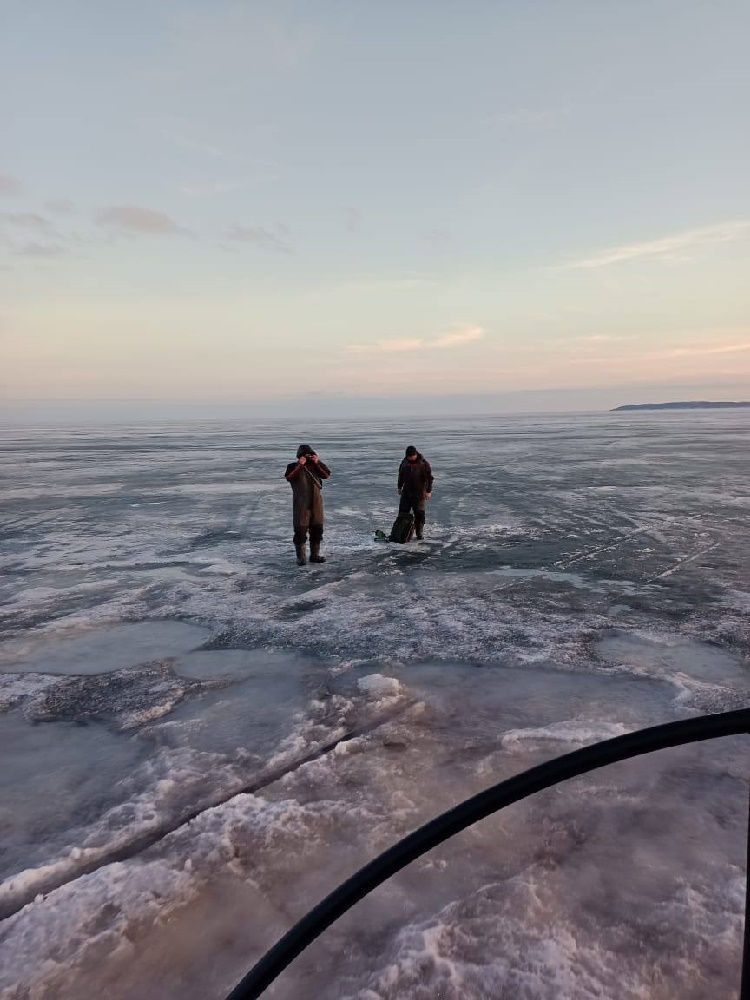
(306, 476)
(415, 487)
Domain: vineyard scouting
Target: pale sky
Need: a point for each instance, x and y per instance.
(246, 202)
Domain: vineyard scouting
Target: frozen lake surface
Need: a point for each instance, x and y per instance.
(162, 658)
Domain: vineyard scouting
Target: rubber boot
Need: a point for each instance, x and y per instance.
(315, 556)
(419, 529)
(301, 554)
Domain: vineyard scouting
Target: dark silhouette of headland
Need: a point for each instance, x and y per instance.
(687, 405)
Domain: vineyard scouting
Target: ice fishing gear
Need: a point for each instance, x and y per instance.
(403, 528)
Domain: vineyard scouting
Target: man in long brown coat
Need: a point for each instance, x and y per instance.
(414, 486)
(306, 476)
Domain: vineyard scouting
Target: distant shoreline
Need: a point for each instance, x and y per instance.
(696, 405)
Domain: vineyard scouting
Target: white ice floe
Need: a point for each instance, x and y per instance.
(379, 686)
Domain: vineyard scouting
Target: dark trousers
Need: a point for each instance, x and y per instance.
(415, 504)
(300, 534)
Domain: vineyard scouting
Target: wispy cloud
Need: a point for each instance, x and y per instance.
(457, 338)
(27, 220)
(601, 338)
(668, 246)
(29, 234)
(61, 206)
(135, 219)
(467, 335)
(42, 250)
(10, 185)
(269, 239)
(697, 351)
(394, 346)
(671, 354)
(197, 146)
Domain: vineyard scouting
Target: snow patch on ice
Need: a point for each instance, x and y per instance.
(14, 688)
(85, 921)
(579, 732)
(519, 939)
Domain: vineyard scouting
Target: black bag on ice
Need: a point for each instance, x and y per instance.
(403, 528)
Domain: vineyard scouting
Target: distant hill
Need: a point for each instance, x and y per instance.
(689, 405)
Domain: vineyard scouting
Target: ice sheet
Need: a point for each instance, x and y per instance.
(170, 678)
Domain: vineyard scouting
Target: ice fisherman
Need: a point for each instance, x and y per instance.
(306, 476)
(415, 487)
